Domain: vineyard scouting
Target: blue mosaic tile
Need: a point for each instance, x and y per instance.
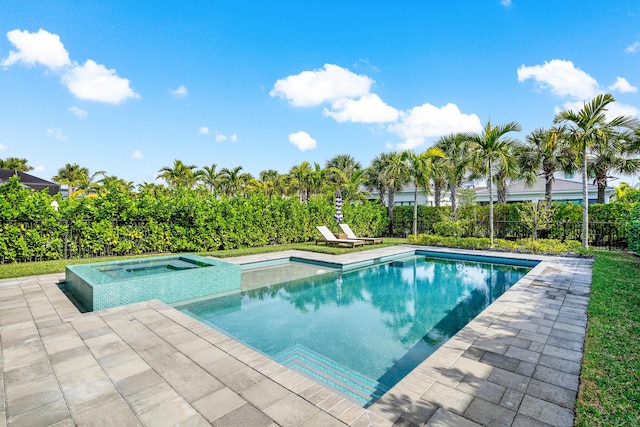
(169, 278)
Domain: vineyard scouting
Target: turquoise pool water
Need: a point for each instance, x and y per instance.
(360, 332)
(139, 269)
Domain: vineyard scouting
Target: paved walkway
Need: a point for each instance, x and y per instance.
(148, 364)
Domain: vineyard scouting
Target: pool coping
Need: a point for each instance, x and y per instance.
(515, 363)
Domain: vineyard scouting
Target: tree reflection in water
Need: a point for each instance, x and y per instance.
(379, 321)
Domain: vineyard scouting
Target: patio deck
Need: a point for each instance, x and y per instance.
(517, 363)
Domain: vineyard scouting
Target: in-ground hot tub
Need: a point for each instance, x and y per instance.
(170, 279)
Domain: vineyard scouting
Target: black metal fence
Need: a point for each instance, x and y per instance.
(26, 241)
(609, 235)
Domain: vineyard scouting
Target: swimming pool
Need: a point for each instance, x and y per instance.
(359, 331)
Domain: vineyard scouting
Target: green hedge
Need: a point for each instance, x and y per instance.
(120, 223)
(609, 222)
(634, 229)
(540, 246)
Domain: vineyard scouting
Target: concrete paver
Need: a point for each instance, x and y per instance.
(517, 363)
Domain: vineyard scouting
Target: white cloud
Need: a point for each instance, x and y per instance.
(324, 85)
(203, 131)
(562, 78)
(222, 137)
(367, 109)
(37, 48)
(39, 168)
(56, 133)
(623, 86)
(302, 140)
(617, 109)
(3, 147)
(633, 47)
(97, 83)
(137, 154)
(179, 92)
(90, 81)
(78, 112)
(505, 3)
(569, 82)
(427, 121)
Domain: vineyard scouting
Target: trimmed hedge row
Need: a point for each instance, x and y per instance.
(634, 229)
(609, 222)
(542, 246)
(120, 223)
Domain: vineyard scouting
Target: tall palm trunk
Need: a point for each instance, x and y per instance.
(415, 210)
(601, 181)
(391, 200)
(490, 185)
(585, 202)
(548, 187)
(381, 190)
(437, 191)
(502, 192)
(453, 195)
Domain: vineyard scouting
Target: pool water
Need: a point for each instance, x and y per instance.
(139, 269)
(360, 332)
(257, 276)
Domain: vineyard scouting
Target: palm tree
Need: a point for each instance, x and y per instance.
(88, 183)
(420, 169)
(180, 175)
(352, 188)
(245, 182)
(231, 181)
(584, 129)
(492, 148)
(209, 177)
(453, 168)
(374, 180)
(613, 153)
(343, 162)
(546, 151)
(71, 175)
(300, 176)
(508, 170)
(152, 189)
(112, 181)
(269, 179)
(317, 180)
(394, 174)
(15, 163)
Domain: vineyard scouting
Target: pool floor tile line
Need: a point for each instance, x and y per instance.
(517, 363)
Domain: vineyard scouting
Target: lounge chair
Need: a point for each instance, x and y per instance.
(330, 239)
(351, 235)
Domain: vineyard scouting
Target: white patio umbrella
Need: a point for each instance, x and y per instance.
(338, 216)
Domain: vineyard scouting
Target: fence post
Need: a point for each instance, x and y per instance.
(65, 255)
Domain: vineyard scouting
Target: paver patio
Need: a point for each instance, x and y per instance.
(517, 363)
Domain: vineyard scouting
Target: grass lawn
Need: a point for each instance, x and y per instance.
(45, 267)
(610, 380)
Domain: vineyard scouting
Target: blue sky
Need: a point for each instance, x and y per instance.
(127, 87)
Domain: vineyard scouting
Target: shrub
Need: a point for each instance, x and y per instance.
(539, 246)
(449, 227)
(633, 229)
(117, 222)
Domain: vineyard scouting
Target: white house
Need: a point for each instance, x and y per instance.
(405, 197)
(563, 190)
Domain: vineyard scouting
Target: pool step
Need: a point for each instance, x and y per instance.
(343, 380)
